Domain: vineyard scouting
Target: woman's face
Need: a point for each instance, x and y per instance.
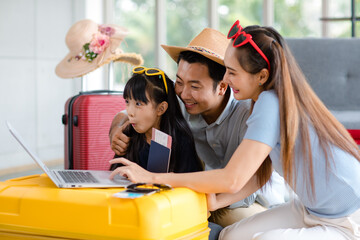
(243, 84)
(143, 116)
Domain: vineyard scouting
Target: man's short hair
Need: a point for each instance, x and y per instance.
(216, 70)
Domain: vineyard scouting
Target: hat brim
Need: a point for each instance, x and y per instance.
(131, 58)
(175, 51)
(69, 67)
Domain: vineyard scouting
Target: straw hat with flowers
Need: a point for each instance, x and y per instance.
(91, 46)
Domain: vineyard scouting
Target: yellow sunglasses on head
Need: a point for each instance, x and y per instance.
(151, 72)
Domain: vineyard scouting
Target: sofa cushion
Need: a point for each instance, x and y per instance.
(332, 67)
(350, 119)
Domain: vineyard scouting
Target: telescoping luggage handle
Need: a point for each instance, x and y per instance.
(94, 92)
(66, 118)
(110, 79)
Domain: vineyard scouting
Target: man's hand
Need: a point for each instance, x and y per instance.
(118, 140)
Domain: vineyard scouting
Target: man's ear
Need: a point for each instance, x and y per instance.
(161, 108)
(222, 87)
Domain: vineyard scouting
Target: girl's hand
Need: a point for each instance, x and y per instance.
(211, 201)
(132, 171)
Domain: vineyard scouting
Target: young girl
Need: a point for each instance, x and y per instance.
(290, 130)
(151, 103)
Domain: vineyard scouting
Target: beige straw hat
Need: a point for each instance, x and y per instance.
(209, 43)
(91, 46)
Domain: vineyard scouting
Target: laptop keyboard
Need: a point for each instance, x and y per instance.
(77, 177)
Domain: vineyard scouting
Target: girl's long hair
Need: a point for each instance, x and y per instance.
(299, 106)
(172, 121)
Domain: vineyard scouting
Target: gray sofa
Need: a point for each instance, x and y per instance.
(332, 67)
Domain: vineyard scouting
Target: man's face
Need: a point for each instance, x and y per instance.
(195, 88)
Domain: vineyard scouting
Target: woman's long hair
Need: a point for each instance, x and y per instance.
(299, 106)
(172, 121)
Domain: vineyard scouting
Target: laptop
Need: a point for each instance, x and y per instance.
(73, 178)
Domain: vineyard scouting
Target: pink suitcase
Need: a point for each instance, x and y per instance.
(87, 121)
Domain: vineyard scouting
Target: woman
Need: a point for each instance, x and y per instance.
(290, 130)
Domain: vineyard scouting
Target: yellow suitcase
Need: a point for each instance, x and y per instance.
(32, 207)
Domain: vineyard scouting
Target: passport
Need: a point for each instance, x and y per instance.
(159, 153)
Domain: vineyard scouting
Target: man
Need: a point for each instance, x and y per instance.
(217, 120)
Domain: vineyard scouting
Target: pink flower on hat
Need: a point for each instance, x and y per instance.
(109, 31)
(99, 43)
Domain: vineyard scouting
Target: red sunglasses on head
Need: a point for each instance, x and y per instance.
(241, 38)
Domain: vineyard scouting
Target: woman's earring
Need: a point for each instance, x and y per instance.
(259, 83)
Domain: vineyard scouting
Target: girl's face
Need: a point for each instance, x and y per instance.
(143, 116)
(243, 84)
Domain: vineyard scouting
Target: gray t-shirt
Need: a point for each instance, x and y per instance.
(216, 143)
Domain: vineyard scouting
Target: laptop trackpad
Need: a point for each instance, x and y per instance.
(104, 175)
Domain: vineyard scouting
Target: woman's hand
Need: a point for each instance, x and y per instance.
(132, 171)
(211, 201)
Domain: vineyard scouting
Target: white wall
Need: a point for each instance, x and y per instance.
(32, 97)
